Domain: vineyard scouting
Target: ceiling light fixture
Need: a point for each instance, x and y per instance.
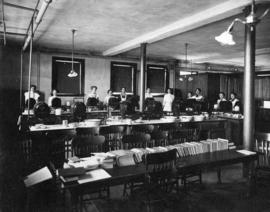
(184, 74)
(72, 72)
(226, 38)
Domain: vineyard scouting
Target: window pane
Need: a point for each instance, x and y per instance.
(156, 78)
(60, 80)
(123, 75)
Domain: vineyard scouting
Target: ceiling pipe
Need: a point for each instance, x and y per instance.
(18, 6)
(38, 19)
(3, 21)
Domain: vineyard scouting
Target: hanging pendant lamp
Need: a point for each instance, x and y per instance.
(72, 72)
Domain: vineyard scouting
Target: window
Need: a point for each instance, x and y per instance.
(67, 86)
(157, 78)
(123, 75)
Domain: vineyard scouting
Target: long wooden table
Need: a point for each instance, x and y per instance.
(121, 175)
(210, 122)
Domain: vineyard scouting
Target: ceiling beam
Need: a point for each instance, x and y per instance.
(240, 54)
(213, 14)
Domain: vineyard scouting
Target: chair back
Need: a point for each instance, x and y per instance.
(262, 145)
(60, 148)
(113, 135)
(84, 146)
(56, 102)
(225, 106)
(145, 128)
(79, 111)
(140, 140)
(85, 132)
(159, 137)
(92, 102)
(160, 165)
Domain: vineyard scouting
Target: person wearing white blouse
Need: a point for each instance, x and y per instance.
(54, 95)
(123, 95)
(198, 96)
(93, 93)
(168, 100)
(108, 96)
(32, 94)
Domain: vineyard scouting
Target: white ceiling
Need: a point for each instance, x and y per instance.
(103, 25)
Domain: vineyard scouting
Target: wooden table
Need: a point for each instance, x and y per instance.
(121, 175)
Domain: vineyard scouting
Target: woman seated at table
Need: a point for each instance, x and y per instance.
(221, 98)
(148, 93)
(167, 101)
(190, 95)
(123, 95)
(198, 95)
(54, 101)
(92, 97)
(108, 96)
(235, 102)
(32, 94)
(93, 93)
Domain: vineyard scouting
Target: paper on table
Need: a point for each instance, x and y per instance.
(246, 152)
(94, 175)
(38, 177)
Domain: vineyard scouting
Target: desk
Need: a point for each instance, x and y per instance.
(202, 161)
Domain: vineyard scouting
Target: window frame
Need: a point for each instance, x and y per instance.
(166, 78)
(81, 74)
(133, 76)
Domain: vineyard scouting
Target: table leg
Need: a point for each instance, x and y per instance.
(251, 183)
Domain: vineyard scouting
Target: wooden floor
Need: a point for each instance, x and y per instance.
(209, 197)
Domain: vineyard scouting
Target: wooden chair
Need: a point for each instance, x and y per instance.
(113, 136)
(84, 146)
(60, 146)
(145, 128)
(169, 128)
(184, 134)
(262, 145)
(217, 133)
(139, 140)
(161, 177)
(56, 102)
(159, 138)
(85, 132)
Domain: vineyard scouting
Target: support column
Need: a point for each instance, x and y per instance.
(142, 75)
(30, 66)
(249, 81)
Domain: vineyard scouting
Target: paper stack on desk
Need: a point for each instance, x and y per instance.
(94, 175)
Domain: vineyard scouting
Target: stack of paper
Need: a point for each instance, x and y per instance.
(94, 175)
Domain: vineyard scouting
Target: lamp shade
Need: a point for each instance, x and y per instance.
(225, 38)
(72, 73)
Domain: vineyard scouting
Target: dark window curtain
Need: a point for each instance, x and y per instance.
(262, 90)
(224, 84)
(231, 83)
